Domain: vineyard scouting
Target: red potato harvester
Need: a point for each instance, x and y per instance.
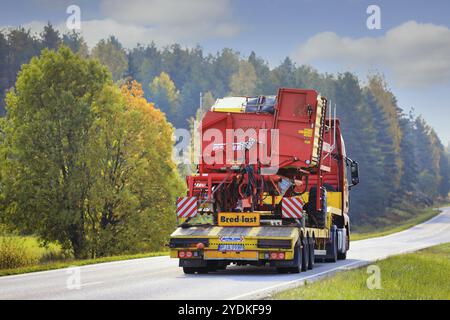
(271, 187)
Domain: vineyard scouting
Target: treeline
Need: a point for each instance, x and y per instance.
(403, 163)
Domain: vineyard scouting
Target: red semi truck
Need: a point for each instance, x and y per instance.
(271, 187)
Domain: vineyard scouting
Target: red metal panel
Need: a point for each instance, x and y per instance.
(295, 112)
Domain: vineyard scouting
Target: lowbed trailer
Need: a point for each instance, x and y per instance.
(271, 187)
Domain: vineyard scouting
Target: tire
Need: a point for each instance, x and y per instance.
(202, 270)
(332, 250)
(189, 270)
(343, 256)
(298, 259)
(305, 254)
(311, 245)
(193, 270)
(283, 270)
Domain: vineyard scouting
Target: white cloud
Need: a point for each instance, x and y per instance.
(166, 12)
(415, 54)
(162, 21)
(167, 21)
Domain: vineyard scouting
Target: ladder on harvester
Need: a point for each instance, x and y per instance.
(320, 150)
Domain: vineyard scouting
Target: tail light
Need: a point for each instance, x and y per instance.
(277, 256)
(188, 254)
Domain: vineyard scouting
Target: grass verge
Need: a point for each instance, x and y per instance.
(422, 216)
(413, 276)
(69, 263)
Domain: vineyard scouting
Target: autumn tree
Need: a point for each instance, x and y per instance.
(134, 179)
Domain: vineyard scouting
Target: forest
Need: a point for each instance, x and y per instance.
(80, 176)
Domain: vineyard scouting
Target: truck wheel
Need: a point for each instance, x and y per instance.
(305, 255)
(311, 244)
(343, 256)
(332, 250)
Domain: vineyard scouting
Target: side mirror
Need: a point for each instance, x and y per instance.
(354, 173)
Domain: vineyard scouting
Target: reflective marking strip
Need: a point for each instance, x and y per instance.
(192, 209)
(186, 207)
(182, 209)
(292, 208)
(287, 211)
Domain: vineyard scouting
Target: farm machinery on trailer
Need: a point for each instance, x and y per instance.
(271, 187)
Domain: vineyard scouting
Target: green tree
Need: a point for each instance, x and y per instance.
(22, 46)
(3, 70)
(76, 43)
(243, 82)
(224, 65)
(145, 63)
(111, 54)
(46, 129)
(264, 84)
(284, 74)
(50, 37)
(165, 95)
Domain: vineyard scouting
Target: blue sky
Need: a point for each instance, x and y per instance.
(412, 48)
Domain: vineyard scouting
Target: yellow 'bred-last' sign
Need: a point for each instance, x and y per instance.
(238, 219)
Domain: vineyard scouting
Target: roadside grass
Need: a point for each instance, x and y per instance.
(20, 251)
(24, 254)
(422, 216)
(422, 275)
(72, 262)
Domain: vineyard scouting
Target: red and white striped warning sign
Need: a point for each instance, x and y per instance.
(291, 208)
(186, 207)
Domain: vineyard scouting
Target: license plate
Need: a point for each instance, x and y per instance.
(231, 247)
(231, 239)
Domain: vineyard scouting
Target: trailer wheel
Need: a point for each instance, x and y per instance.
(192, 270)
(202, 270)
(189, 270)
(305, 254)
(283, 270)
(298, 261)
(311, 244)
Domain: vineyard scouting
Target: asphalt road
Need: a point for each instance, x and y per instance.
(161, 278)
